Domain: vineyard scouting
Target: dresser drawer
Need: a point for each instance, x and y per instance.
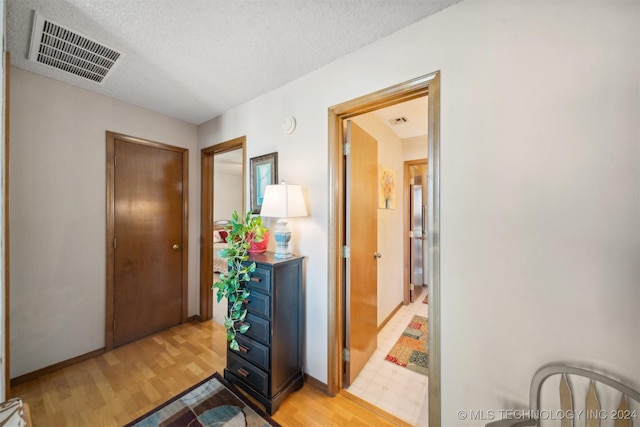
(261, 280)
(253, 351)
(248, 373)
(258, 329)
(258, 304)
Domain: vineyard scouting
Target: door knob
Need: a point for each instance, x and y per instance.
(176, 247)
(377, 255)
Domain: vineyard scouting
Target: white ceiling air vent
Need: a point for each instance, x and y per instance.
(398, 121)
(59, 47)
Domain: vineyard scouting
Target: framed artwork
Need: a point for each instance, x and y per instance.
(264, 171)
(386, 188)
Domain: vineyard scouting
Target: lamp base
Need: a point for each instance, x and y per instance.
(282, 236)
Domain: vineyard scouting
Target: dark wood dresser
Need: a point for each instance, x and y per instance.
(268, 365)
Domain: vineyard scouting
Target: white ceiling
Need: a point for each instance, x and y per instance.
(415, 114)
(195, 59)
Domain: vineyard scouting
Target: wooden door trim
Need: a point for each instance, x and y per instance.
(206, 217)
(6, 259)
(421, 86)
(110, 228)
(407, 227)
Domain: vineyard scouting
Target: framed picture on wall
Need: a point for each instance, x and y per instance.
(264, 171)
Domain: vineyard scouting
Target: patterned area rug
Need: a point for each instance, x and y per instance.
(212, 402)
(412, 348)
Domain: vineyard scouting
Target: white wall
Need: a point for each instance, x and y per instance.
(540, 185)
(390, 221)
(58, 219)
(415, 148)
(227, 194)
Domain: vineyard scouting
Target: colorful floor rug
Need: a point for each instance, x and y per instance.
(412, 348)
(212, 402)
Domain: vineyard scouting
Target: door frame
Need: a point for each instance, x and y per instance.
(110, 232)
(425, 85)
(207, 156)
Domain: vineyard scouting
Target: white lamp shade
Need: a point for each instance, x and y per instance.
(283, 201)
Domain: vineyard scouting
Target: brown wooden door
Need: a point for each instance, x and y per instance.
(148, 247)
(362, 239)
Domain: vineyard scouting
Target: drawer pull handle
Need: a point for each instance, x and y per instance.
(242, 372)
(256, 279)
(243, 349)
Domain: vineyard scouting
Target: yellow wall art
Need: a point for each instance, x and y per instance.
(386, 188)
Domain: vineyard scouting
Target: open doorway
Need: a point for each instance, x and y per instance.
(222, 187)
(339, 318)
(383, 206)
(416, 244)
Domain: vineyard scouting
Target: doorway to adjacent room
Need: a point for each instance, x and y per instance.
(341, 218)
(222, 192)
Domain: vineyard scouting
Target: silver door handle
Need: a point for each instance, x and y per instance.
(176, 247)
(377, 255)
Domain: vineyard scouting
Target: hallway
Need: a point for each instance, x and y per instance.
(390, 387)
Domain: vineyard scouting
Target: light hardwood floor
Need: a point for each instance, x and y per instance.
(117, 387)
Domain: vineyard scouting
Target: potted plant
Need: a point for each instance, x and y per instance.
(231, 285)
(258, 234)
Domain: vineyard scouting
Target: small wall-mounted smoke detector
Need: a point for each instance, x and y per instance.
(398, 121)
(288, 125)
(60, 47)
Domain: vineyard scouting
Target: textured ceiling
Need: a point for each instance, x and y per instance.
(195, 59)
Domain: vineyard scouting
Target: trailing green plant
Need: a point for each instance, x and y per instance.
(232, 284)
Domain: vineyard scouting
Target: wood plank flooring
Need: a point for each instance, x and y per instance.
(119, 386)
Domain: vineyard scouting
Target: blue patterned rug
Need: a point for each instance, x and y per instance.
(212, 402)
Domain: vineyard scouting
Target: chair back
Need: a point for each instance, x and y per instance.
(591, 416)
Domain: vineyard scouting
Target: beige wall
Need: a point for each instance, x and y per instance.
(540, 189)
(227, 195)
(58, 219)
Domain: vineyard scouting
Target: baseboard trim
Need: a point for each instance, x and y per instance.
(52, 368)
(316, 383)
(385, 321)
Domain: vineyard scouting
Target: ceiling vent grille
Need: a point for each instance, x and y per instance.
(398, 121)
(62, 48)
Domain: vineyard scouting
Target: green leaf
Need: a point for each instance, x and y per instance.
(233, 284)
(228, 324)
(234, 345)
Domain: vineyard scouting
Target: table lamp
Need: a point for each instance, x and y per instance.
(283, 201)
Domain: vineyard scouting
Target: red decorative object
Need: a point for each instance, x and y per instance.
(259, 247)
